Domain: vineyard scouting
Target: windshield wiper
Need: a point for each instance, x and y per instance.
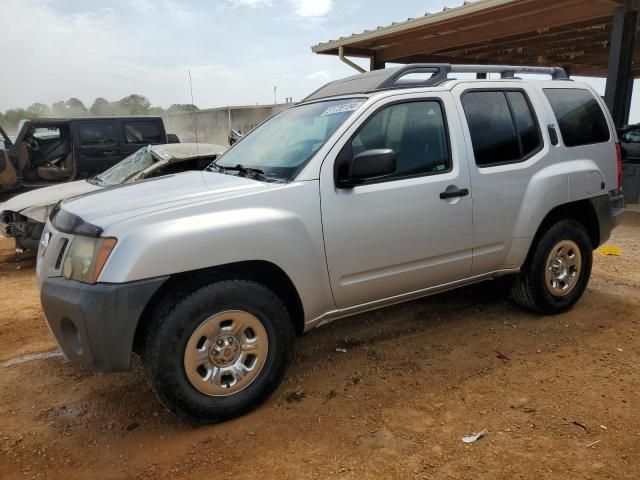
(256, 172)
(242, 169)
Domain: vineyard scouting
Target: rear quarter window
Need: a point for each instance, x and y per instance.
(96, 134)
(580, 117)
(142, 132)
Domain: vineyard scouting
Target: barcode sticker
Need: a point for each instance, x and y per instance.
(345, 107)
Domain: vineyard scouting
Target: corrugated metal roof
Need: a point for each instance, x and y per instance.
(445, 14)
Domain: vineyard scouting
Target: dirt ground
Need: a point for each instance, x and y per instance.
(559, 400)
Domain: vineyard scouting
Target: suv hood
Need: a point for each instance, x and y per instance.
(113, 204)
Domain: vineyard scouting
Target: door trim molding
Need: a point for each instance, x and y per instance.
(333, 315)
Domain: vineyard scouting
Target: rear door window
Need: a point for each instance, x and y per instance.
(95, 134)
(580, 117)
(502, 125)
(142, 132)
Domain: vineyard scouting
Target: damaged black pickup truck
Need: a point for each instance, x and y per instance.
(47, 151)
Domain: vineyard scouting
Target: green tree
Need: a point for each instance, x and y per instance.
(101, 106)
(182, 107)
(58, 109)
(13, 116)
(75, 107)
(38, 110)
(134, 105)
(156, 111)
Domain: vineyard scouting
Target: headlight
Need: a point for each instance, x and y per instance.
(86, 257)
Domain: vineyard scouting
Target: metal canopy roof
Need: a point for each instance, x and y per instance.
(574, 34)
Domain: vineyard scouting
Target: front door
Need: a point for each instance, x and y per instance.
(9, 177)
(98, 147)
(413, 230)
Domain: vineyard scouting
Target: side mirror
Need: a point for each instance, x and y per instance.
(368, 165)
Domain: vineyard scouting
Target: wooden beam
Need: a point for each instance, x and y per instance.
(549, 17)
(531, 39)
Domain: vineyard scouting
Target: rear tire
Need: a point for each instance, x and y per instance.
(219, 350)
(172, 138)
(557, 271)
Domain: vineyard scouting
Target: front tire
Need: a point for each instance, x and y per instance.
(557, 271)
(219, 350)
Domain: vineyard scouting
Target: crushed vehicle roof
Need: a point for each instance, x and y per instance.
(183, 151)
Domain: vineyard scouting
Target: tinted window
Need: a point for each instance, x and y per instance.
(502, 126)
(415, 131)
(525, 123)
(579, 116)
(142, 132)
(95, 134)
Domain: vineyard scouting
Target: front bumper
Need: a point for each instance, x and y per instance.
(95, 325)
(5, 224)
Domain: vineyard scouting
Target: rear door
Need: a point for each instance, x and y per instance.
(97, 146)
(401, 235)
(507, 149)
(137, 133)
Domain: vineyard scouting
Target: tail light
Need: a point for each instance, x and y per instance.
(619, 164)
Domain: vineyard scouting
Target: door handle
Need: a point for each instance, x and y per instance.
(463, 192)
(109, 153)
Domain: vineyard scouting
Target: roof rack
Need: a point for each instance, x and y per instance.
(389, 78)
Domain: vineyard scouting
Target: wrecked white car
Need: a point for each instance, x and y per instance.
(58, 150)
(23, 216)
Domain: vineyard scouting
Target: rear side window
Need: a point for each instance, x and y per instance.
(502, 126)
(142, 132)
(46, 133)
(96, 134)
(415, 131)
(580, 118)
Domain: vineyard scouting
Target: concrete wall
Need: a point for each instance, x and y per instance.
(213, 124)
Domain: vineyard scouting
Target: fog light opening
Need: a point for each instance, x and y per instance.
(71, 336)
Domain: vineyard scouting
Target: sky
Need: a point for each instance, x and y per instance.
(237, 50)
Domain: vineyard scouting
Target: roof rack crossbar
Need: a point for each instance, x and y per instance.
(377, 80)
(440, 72)
(508, 71)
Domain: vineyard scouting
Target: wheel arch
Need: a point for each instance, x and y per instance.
(581, 211)
(260, 271)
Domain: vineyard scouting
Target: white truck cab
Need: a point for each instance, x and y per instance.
(379, 188)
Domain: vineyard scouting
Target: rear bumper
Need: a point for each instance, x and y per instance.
(95, 325)
(609, 209)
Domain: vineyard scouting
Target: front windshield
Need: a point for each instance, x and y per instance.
(283, 144)
(127, 168)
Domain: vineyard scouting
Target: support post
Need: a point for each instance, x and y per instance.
(619, 79)
(375, 64)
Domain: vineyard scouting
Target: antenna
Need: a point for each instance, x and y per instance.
(193, 113)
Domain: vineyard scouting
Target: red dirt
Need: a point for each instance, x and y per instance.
(415, 378)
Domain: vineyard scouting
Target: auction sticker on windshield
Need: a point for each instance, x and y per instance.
(345, 107)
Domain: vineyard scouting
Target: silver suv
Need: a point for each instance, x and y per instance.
(376, 189)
